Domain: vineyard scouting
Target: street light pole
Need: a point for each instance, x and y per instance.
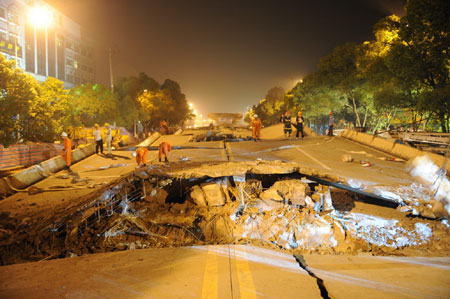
(111, 70)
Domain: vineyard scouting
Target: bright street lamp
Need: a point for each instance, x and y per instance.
(40, 16)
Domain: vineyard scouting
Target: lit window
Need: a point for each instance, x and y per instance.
(75, 64)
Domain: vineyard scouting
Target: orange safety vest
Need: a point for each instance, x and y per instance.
(67, 156)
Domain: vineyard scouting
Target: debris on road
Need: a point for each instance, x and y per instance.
(365, 163)
(435, 179)
(277, 209)
(347, 158)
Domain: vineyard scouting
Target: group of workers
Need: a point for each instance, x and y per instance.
(163, 151)
(141, 152)
(286, 119)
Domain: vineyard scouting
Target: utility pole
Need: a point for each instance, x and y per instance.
(111, 70)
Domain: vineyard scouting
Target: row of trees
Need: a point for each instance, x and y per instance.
(40, 112)
(403, 73)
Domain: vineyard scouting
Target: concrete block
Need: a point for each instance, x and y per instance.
(35, 173)
(405, 152)
(346, 133)
(351, 134)
(197, 196)
(150, 140)
(382, 144)
(26, 177)
(363, 138)
(271, 195)
(213, 194)
(438, 160)
(53, 165)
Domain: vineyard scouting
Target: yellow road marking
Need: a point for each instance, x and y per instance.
(211, 275)
(312, 158)
(246, 285)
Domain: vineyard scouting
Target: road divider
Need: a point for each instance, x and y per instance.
(391, 147)
(35, 173)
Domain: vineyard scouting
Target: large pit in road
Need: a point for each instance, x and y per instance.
(229, 203)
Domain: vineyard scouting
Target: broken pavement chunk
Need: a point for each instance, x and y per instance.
(271, 194)
(293, 191)
(213, 194)
(197, 196)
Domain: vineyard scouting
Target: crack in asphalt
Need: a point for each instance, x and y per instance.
(302, 263)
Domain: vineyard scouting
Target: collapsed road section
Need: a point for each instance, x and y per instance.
(262, 203)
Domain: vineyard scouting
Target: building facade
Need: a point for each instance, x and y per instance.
(55, 48)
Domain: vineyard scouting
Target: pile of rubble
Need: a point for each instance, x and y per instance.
(288, 215)
(146, 210)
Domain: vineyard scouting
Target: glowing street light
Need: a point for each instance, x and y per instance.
(40, 16)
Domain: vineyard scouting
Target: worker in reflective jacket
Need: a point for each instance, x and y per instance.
(141, 156)
(67, 154)
(256, 126)
(164, 149)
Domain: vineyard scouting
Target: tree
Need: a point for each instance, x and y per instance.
(422, 57)
(167, 103)
(411, 60)
(92, 103)
(272, 106)
(49, 113)
(127, 90)
(340, 74)
(316, 100)
(17, 92)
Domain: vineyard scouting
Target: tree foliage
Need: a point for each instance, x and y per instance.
(91, 104)
(166, 103)
(272, 106)
(403, 71)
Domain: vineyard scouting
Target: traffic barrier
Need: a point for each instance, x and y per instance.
(390, 147)
(35, 173)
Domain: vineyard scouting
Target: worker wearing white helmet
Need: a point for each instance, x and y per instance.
(67, 153)
(256, 126)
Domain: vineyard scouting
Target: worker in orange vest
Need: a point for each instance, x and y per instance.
(141, 156)
(256, 125)
(164, 149)
(164, 126)
(67, 154)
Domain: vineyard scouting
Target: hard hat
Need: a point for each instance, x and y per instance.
(106, 125)
(255, 115)
(96, 125)
(64, 134)
(331, 113)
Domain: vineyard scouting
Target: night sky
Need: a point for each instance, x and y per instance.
(224, 54)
